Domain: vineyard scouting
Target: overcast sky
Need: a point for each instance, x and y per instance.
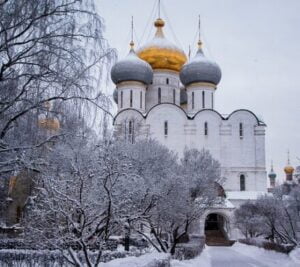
(255, 42)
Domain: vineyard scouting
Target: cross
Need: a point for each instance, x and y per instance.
(159, 4)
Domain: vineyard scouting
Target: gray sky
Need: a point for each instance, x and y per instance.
(255, 42)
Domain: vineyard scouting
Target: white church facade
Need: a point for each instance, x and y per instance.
(162, 95)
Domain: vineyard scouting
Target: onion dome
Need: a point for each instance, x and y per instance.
(272, 174)
(289, 169)
(160, 53)
(47, 121)
(51, 124)
(200, 69)
(132, 68)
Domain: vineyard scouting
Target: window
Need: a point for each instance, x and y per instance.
(203, 99)
(121, 99)
(241, 130)
(167, 81)
(242, 182)
(159, 95)
(193, 100)
(205, 128)
(174, 96)
(131, 96)
(141, 100)
(131, 132)
(166, 128)
(212, 100)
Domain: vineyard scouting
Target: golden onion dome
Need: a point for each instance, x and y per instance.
(289, 169)
(51, 124)
(161, 53)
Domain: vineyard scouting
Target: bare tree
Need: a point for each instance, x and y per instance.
(49, 51)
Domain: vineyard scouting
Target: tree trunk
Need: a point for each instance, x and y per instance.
(127, 238)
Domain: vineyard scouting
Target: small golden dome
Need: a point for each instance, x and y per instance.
(289, 169)
(161, 53)
(51, 124)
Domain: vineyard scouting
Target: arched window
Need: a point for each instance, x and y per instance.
(242, 182)
(206, 128)
(212, 100)
(141, 100)
(167, 81)
(174, 96)
(131, 98)
(193, 100)
(121, 99)
(159, 95)
(241, 130)
(203, 99)
(166, 130)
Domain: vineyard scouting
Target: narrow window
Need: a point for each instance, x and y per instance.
(193, 100)
(241, 130)
(166, 128)
(19, 214)
(242, 182)
(212, 100)
(121, 99)
(203, 99)
(174, 96)
(205, 128)
(131, 132)
(131, 96)
(141, 100)
(167, 81)
(159, 95)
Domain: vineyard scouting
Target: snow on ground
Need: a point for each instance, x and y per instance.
(295, 256)
(236, 256)
(142, 261)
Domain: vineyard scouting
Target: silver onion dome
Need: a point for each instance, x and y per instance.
(200, 69)
(132, 68)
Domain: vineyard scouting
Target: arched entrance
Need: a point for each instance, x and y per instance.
(216, 227)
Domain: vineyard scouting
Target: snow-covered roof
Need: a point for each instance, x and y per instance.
(245, 195)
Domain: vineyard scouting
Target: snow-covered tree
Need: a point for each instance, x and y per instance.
(275, 217)
(49, 51)
(177, 191)
(248, 221)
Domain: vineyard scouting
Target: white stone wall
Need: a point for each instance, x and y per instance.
(138, 96)
(167, 81)
(203, 97)
(237, 155)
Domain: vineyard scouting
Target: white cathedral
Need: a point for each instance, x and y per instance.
(163, 96)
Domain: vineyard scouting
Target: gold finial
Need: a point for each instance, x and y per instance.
(159, 23)
(200, 44)
(131, 45)
(199, 34)
(131, 42)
